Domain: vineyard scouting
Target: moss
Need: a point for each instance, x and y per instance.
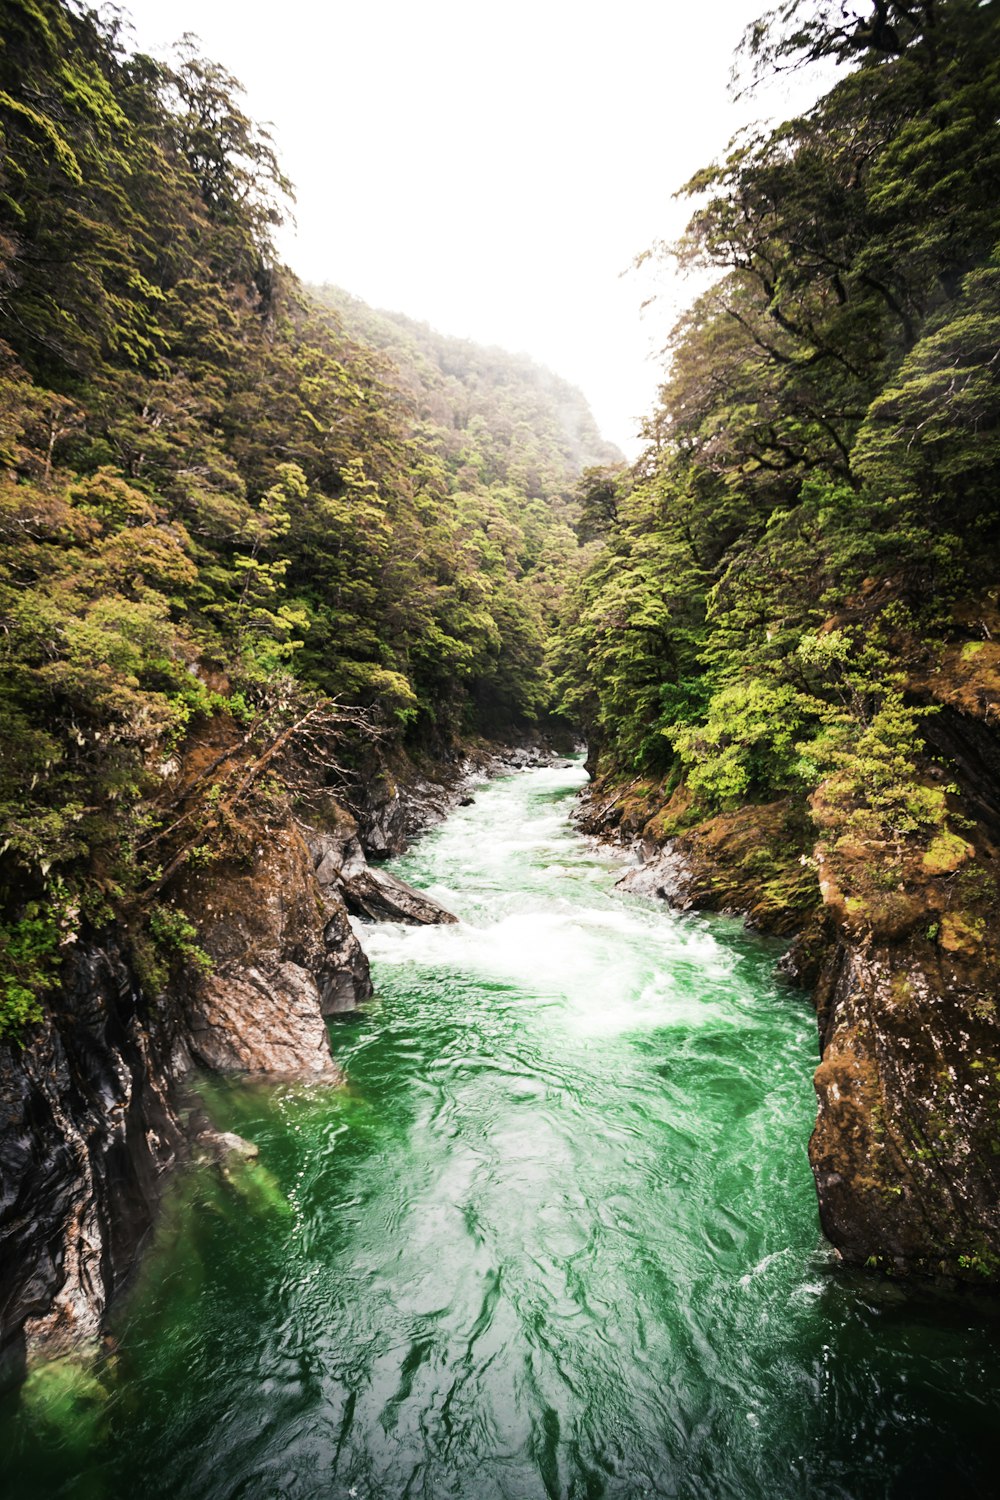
(902, 989)
(947, 853)
(961, 932)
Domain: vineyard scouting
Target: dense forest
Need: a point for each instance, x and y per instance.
(786, 649)
(811, 537)
(222, 498)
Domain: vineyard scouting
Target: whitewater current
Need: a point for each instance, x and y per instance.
(556, 1237)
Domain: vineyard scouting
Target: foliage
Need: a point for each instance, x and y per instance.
(29, 947)
(225, 510)
(820, 491)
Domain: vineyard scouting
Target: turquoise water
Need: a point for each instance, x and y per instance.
(556, 1238)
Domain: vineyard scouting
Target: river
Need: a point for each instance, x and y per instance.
(557, 1237)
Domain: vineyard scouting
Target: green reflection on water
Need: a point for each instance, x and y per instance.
(557, 1237)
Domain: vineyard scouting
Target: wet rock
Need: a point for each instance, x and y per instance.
(385, 898)
(396, 811)
(662, 874)
(222, 1146)
(255, 1022)
(87, 1128)
(906, 1149)
(337, 856)
(345, 978)
(348, 881)
(754, 862)
(275, 949)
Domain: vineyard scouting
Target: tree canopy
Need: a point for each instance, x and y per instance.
(223, 498)
(815, 520)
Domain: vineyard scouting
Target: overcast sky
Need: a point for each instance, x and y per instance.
(492, 170)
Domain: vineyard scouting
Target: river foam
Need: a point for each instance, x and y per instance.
(555, 1240)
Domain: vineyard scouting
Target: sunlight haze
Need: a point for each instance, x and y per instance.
(492, 172)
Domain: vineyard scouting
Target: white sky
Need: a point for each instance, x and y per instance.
(492, 170)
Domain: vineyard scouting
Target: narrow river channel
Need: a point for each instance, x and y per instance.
(556, 1238)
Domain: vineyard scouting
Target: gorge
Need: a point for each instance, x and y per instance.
(557, 1235)
(313, 1005)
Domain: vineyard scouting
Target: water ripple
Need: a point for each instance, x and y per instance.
(556, 1238)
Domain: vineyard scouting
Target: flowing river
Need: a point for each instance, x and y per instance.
(556, 1238)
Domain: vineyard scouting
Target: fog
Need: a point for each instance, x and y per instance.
(493, 170)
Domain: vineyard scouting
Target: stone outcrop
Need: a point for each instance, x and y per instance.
(89, 1124)
(897, 937)
(346, 879)
(385, 898)
(754, 862)
(906, 1149)
(282, 955)
(93, 1110)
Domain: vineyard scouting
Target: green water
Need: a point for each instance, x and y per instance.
(557, 1238)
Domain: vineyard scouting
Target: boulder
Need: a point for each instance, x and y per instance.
(281, 956)
(385, 898)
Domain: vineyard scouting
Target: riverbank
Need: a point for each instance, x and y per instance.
(556, 1235)
(896, 948)
(96, 1108)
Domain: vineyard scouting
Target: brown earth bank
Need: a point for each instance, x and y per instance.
(96, 1105)
(898, 938)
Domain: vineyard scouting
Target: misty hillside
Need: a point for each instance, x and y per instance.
(527, 422)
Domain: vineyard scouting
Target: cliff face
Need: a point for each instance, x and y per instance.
(90, 1123)
(93, 1107)
(906, 1149)
(898, 939)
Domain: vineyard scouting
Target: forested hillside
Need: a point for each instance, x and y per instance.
(787, 649)
(512, 419)
(218, 504)
(815, 520)
(510, 439)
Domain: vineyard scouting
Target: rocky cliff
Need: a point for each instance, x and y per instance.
(94, 1107)
(899, 939)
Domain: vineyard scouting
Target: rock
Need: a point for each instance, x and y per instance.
(347, 880)
(662, 875)
(345, 979)
(906, 1149)
(753, 862)
(258, 1022)
(383, 897)
(89, 1127)
(225, 1145)
(276, 949)
(337, 856)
